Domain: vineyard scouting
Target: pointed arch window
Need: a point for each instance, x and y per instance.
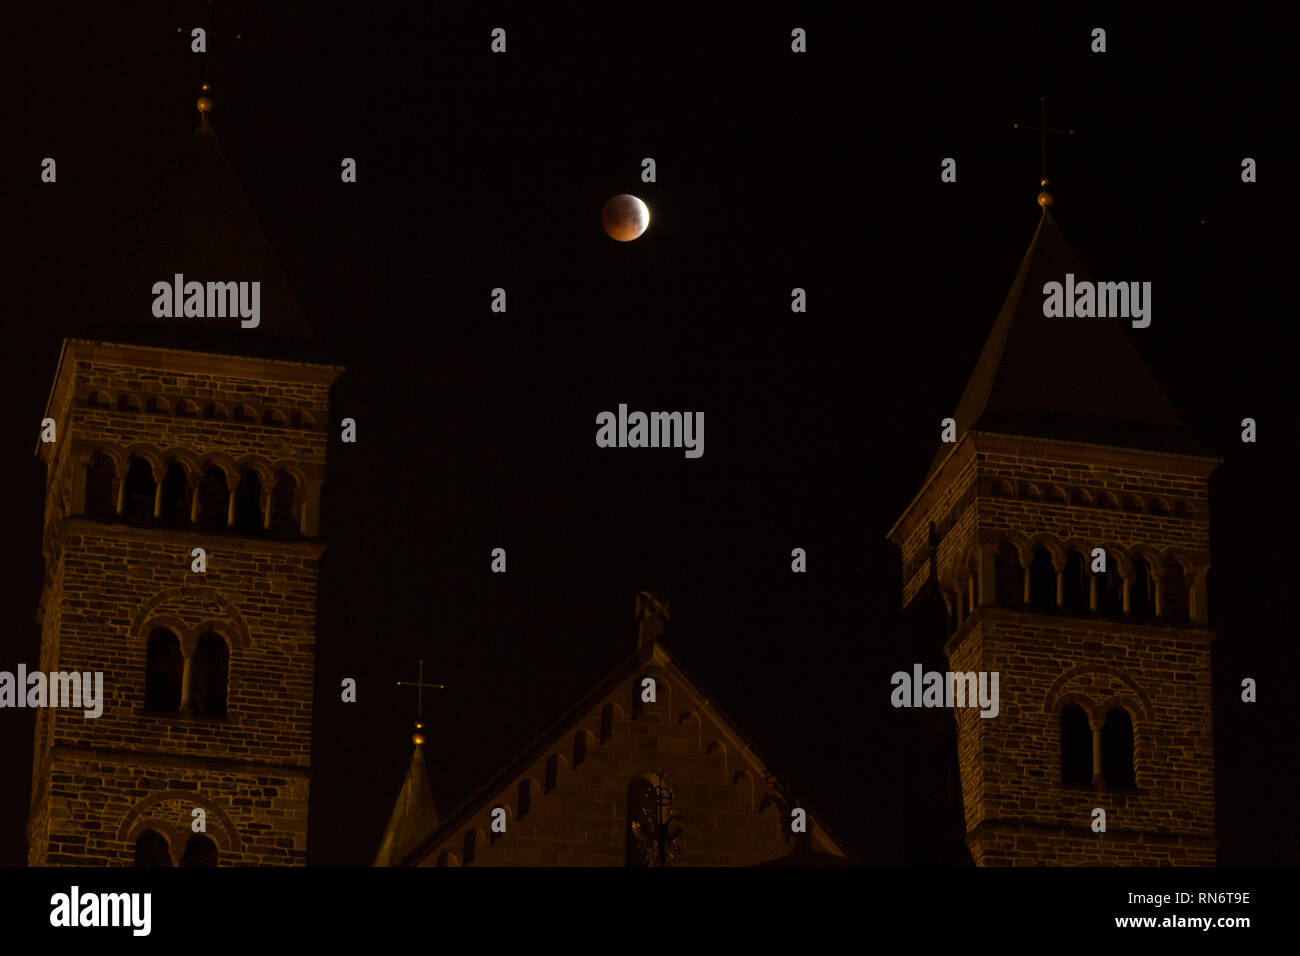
(151, 849)
(1076, 747)
(282, 504)
(1075, 585)
(209, 672)
(174, 511)
(139, 496)
(248, 502)
(1175, 592)
(214, 499)
(1042, 581)
(101, 475)
(1009, 575)
(1117, 749)
(164, 667)
(200, 850)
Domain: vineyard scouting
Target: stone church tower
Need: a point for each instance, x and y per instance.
(1069, 459)
(177, 434)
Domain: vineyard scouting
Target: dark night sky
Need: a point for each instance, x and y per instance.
(774, 171)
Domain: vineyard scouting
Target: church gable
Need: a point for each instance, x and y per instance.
(646, 748)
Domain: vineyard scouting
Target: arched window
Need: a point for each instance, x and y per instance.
(215, 411)
(100, 500)
(200, 850)
(282, 497)
(273, 416)
(1076, 583)
(248, 502)
(1107, 500)
(302, 420)
(186, 409)
(1076, 747)
(214, 499)
(209, 670)
(552, 772)
(1142, 593)
(1110, 588)
(1174, 594)
(158, 405)
(1003, 489)
(525, 798)
(139, 496)
(245, 413)
(1117, 749)
(174, 512)
(1042, 581)
(471, 847)
(579, 748)
(164, 667)
(126, 402)
(151, 849)
(1080, 497)
(1132, 503)
(606, 722)
(1008, 575)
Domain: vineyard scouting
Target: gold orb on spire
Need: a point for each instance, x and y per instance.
(204, 104)
(1044, 198)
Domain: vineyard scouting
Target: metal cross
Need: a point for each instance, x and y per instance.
(419, 686)
(1043, 131)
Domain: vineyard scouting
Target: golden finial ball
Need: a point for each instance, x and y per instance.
(1045, 199)
(418, 739)
(204, 104)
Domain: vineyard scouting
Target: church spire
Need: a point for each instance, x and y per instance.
(414, 815)
(1077, 379)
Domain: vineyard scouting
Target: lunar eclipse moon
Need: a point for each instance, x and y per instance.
(625, 217)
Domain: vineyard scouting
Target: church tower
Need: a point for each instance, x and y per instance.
(1067, 529)
(181, 545)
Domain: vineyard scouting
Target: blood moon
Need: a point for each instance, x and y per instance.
(625, 217)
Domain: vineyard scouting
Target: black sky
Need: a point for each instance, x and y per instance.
(477, 429)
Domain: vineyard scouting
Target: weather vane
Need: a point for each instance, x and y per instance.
(1044, 197)
(419, 686)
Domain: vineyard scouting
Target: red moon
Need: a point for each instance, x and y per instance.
(625, 217)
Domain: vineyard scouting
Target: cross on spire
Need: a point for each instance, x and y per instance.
(1044, 197)
(205, 102)
(419, 686)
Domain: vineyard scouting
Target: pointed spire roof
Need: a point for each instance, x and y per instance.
(1078, 379)
(414, 817)
(203, 228)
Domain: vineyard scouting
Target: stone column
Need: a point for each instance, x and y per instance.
(120, 495)
(1025, 599)
(1092, 592)
(186, 706)
(1097, 777)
